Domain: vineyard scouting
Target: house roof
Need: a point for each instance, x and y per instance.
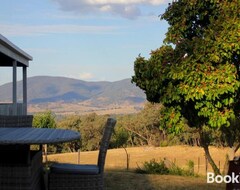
(10, 52)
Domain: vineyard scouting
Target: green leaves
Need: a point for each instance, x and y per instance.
(171, 120)
(44, 120)
(148, 73)
(198, 77)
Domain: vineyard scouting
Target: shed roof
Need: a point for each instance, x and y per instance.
(10, 52)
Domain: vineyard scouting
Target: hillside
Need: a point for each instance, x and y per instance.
(67, 94)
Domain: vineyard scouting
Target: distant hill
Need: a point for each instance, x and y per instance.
(46, 89)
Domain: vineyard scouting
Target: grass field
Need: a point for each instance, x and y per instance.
(118, 178)
(83, 108)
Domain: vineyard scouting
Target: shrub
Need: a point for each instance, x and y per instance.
(154, 167)
(176, 170)
(190, 167)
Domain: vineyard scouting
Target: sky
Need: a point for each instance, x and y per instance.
(91, 40)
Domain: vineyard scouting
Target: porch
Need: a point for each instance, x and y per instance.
(12, 56)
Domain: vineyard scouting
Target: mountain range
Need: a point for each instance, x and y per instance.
(48, 89)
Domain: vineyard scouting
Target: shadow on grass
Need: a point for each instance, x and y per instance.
(129, 180)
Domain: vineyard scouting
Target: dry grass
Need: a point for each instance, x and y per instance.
(117, 178)
(83, 108)
(116, 158)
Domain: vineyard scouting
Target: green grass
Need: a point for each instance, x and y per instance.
(128, 180)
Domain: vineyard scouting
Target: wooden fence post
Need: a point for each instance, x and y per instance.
(128, 157)
(45, 153)
(198, 164)
(206, 161)
(219, 165)
(78, 156)
(128, 161)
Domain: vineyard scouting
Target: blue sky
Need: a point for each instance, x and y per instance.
(92, 40)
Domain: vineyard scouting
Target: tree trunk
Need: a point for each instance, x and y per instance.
(226, 165)
(231, 153)
(138, 134)
(236, 148)
(211, 161)
(204, 143)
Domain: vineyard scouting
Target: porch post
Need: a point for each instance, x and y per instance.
(14, 90)
(24, 90)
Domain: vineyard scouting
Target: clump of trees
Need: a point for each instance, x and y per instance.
(143, 128)
(132, 130)
(196, 73)
(90, 126)
(140, 129)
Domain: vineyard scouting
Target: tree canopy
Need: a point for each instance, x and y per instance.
(196, 73)
(44, 120)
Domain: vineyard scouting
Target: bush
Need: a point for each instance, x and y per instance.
(176, 170)
(154, 167)
(191, 167)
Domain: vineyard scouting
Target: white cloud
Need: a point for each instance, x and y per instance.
(124, 8)
(25, 30)
(86, 76)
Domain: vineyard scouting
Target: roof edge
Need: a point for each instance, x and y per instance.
(13, 47)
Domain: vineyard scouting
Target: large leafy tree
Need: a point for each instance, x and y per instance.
(195, 74)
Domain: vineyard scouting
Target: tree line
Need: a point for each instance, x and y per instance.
(140, 129)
